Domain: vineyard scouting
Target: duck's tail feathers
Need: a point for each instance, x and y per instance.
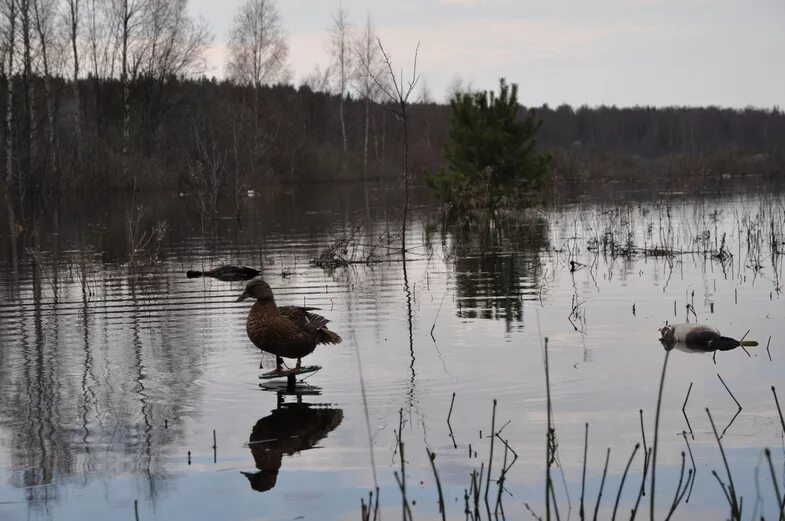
(725, 343)
(193, 274)
(329, 337)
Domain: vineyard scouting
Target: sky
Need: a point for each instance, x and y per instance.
(593, 52)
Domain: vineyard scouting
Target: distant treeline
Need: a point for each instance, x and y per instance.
(220, 137)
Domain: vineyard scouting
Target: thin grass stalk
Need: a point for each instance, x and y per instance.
(780, 501)
(776, 401)
(602, 483)
(407, 512)
(694, 468)
(734, 502)
(490, 456)
(656, 432)
(623, 477)
(646, 454)
(548, 439)
(432, 457)
(583, 478)
(678, 494)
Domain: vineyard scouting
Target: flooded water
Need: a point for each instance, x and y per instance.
(134, 391)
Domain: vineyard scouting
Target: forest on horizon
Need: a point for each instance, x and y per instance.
(112, 95)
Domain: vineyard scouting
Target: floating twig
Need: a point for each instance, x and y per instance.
(767, 348)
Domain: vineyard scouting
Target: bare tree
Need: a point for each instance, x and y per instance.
(340, 48)
(397, 94)
(26, 27)
(126, 20)
(369, 66)
(257, 44)
(318, 80)
(10, 44)
(44, 13)
(175, 43)
(72, 18)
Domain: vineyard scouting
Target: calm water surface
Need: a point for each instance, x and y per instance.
(111, 376)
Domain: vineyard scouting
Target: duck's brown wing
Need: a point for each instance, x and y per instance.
(310, 323)
(303, 317)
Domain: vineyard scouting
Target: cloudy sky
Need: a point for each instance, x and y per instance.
(622, 52)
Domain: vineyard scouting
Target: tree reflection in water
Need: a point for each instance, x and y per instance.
(497, 266)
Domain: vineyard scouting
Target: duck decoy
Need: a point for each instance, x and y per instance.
(286, 331)
(226, 273)
(699, 337)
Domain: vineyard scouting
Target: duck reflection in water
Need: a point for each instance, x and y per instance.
(291, 428)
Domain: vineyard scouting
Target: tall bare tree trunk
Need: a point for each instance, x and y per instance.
(9, 133)
(28, 90)
(365, 140)
(42, 25)
(126, 90)
(73, 8)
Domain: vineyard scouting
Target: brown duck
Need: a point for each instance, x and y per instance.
(286, 331)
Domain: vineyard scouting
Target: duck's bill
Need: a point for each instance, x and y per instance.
(242, 297)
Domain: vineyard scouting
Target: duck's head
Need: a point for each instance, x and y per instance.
(667, 336)
(258, 289)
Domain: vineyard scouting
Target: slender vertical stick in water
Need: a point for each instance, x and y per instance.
(136, 509)
(646, 455)
(432, 457)
(782, 421)
(656, 429)
(602, 483)
(583, 478)
(780, 501)
(623, 477)
(490, 456)
(548, 437)
(734, 502)
(694, 468)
